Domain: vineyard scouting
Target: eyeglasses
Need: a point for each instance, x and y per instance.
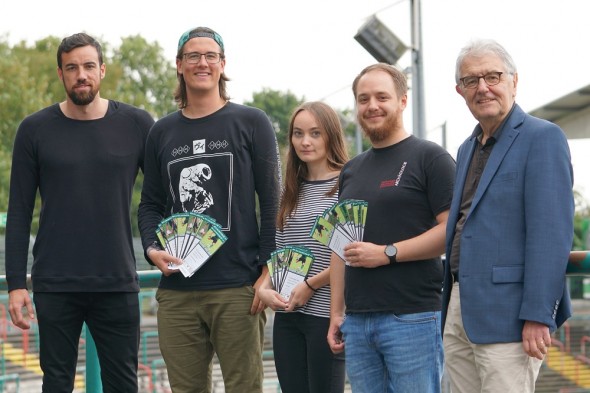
(195, 57)
(491, 79)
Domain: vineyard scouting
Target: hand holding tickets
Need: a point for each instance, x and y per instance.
(288, 267)
(341, 224)
(191, 237)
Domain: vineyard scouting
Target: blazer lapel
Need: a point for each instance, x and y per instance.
(500, 150)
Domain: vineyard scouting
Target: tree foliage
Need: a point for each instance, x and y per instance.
(137, 73)
(144, 77)
(279, 107)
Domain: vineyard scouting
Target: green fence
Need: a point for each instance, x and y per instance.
(147, 279)
(579, 267)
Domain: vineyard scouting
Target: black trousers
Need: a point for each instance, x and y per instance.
(303, 359)
(113, 321)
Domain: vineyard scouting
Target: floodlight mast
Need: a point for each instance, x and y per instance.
(417, 71)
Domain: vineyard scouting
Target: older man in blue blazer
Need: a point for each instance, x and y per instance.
(509, 233)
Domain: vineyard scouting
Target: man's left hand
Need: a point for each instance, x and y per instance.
(257, 305)
(536, 339)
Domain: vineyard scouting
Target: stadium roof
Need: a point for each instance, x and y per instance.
(564, 106)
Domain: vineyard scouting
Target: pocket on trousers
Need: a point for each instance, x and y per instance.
(416, 317)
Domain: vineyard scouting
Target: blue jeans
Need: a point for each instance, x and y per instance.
(388, 353)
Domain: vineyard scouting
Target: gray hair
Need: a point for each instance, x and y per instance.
(483, 47)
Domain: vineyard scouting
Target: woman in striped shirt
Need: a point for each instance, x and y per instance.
(303, 359)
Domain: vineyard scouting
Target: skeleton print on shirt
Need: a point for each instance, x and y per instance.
(193, 195)
(203, 183)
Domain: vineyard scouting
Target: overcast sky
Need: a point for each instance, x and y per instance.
(307, 46)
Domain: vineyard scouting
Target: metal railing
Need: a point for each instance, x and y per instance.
(147, 279)
(579, 264)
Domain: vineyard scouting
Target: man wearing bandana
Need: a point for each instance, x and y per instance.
(212, 157)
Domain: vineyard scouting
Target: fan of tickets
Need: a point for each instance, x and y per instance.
(341, 224)
(191, 237)
(288, 267)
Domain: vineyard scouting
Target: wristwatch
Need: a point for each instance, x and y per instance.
(391, 252)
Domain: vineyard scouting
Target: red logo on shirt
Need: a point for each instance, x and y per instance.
(394, 183)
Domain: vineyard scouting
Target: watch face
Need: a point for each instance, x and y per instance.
(390, 250)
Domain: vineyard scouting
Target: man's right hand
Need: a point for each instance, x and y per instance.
(17, 300)
(335, 340)
(161, 258)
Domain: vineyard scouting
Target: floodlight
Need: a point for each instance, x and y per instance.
(380, 42)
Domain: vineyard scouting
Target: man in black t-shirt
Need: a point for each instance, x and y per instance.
(390, 283)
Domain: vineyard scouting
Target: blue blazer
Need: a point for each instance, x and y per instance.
(518, 233)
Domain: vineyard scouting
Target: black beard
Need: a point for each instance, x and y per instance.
(82, 99)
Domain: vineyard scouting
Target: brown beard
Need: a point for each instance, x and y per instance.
(376, 135)
(379, 134)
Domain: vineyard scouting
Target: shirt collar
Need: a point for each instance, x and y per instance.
(498, 133)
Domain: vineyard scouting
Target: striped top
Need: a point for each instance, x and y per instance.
(312, 202)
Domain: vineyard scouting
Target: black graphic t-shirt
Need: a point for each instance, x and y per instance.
(217, 165)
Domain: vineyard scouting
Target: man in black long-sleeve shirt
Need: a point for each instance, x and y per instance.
(83, 156)
(212, 157)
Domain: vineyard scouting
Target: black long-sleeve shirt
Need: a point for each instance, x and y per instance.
(85, 172)
(216, 165)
